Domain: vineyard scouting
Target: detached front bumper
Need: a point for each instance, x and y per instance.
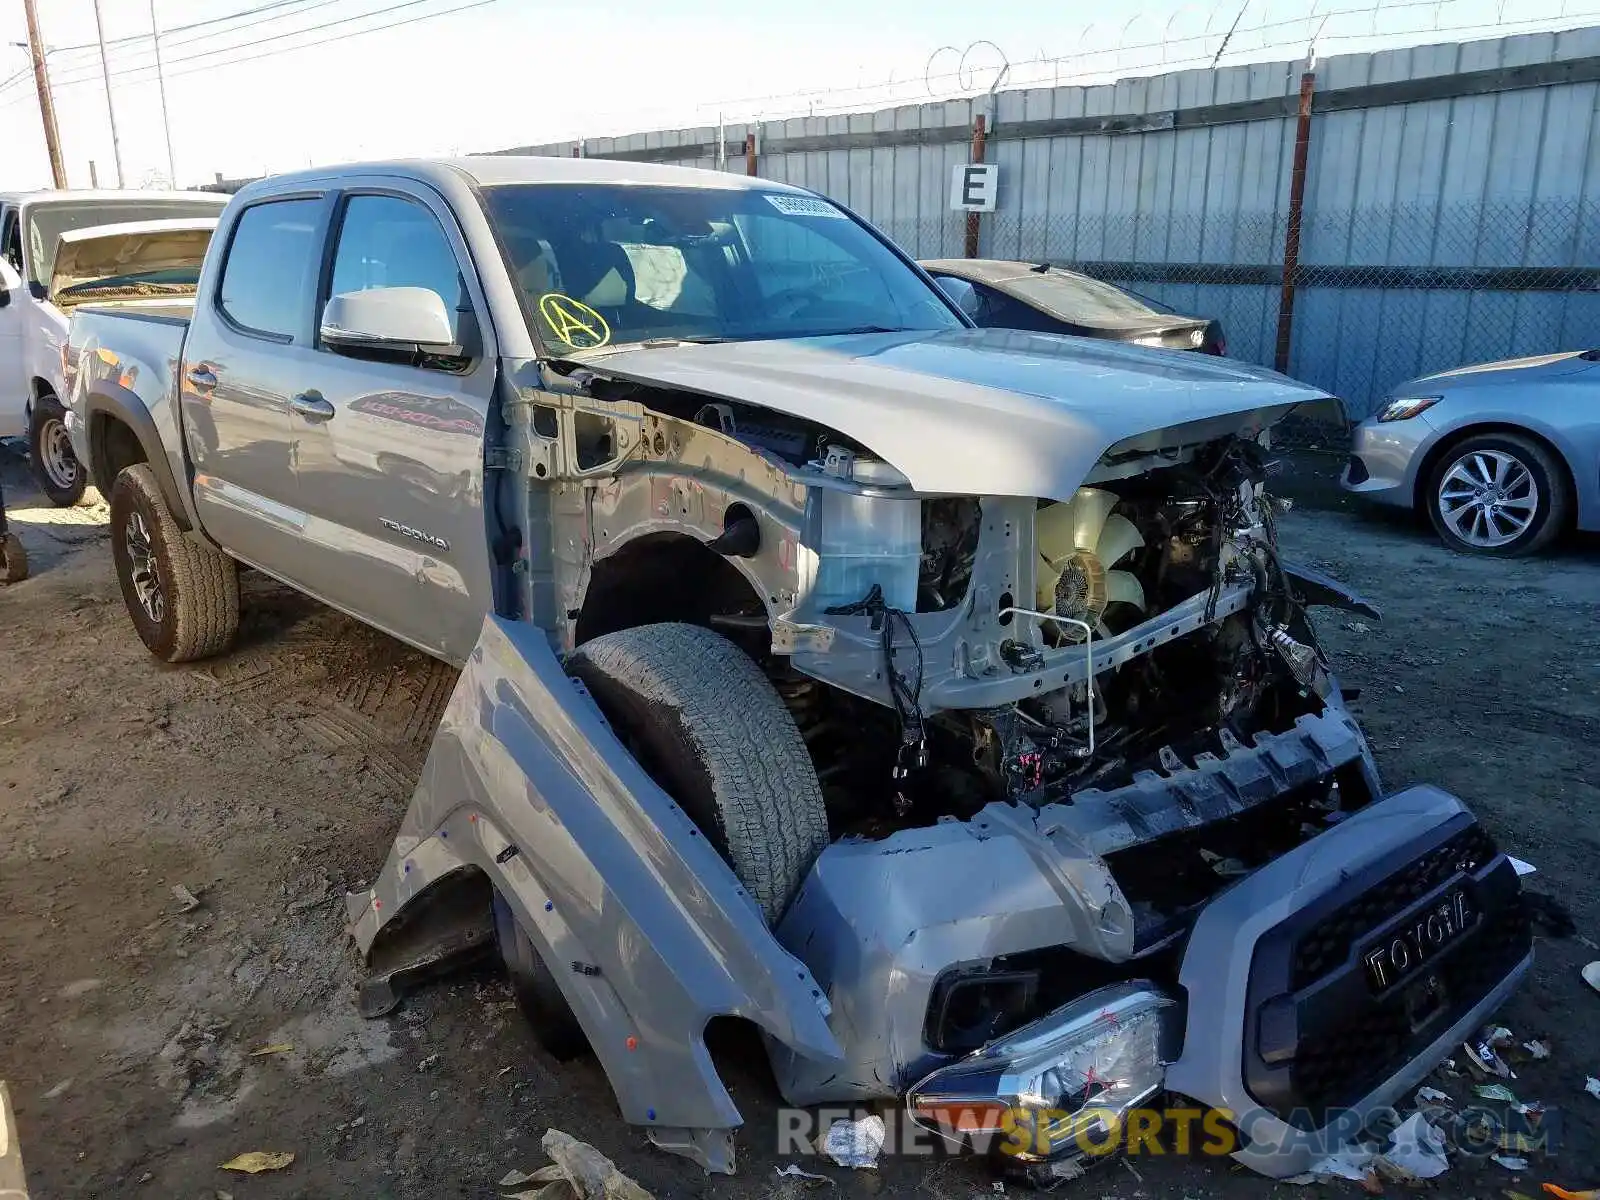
(1288, 1031)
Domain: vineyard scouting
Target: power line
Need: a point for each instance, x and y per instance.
(138, 37)
(182, 58)
(167, 40)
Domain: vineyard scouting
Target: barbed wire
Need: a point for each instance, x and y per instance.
(1225, 38)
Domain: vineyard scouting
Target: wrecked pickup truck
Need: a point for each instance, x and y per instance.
(935, 700)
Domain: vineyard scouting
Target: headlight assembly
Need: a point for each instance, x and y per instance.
(1407, 407)
(1061, 1083)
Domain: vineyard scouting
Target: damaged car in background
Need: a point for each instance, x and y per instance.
(934, 699)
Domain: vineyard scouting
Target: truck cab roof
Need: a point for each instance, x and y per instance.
(489, 170)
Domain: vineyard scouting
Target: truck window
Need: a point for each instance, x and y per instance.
(609, 264)
(267, 281)
(11, 242)
(386, 241)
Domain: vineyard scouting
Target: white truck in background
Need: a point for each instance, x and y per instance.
(61, 249)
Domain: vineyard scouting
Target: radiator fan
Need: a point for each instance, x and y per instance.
(1078, 543)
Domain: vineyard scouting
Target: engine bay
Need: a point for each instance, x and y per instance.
(1111, 563)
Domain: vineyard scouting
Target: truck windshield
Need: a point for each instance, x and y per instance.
(605, 265)
(47, 222)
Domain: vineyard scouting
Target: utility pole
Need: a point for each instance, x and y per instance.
(111, 109)
(161, 80)
(47, 108)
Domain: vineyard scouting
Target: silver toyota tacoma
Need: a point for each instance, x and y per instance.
(935, 699)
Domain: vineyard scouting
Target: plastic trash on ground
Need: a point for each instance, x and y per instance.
(1562, 1193)
(1496, 1091)
(591, 1174)
(1592, 1086)
(855, 1143)
(1417, 1151)
(1484, 1051)
(1591, 975)
(1523, 868)
(1537, 1048)
(1510, 1162)
(1348, 1162)
(253, 1162)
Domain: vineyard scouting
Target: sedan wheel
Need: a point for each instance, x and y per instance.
(1498, 494)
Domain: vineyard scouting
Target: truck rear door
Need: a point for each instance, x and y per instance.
(248, 352)
(388, 450)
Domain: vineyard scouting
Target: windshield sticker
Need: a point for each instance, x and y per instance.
(574, 322)
(802, 206)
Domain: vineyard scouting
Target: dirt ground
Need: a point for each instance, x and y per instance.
(268, 782)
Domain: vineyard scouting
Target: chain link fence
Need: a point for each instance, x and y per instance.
(1382, 294)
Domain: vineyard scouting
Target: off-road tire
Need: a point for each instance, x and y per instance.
(1551, 515)
(13, 559)
(56, 469)
(199, 586)
(706, 724)
(537, 993)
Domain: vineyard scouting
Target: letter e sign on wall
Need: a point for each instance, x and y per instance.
(974, 186)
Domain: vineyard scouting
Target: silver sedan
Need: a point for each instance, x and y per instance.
(1502, 457)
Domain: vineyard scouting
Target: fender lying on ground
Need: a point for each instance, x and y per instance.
(527, 788)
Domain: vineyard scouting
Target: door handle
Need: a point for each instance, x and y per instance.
(202, 376)
(312, 407)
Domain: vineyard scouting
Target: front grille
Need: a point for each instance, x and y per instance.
(1318, 1036)
(1328, 943)
(1340, 1065)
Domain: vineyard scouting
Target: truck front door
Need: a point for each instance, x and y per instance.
(388, 449)
(247, 353)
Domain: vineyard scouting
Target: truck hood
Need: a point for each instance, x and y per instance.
(107, 252)
(990, 412)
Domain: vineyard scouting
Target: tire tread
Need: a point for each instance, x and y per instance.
(769, 802)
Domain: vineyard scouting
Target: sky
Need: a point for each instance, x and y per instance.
(254, 86)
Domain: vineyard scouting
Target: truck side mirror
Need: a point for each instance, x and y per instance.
(408, 320)
(9, 282)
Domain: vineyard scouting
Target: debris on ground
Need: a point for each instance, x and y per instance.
(1348, 1162)
(1510, 1162)
(253, 1162)
(1538, 1048)
(1432, 1095)
(1592, 1086)
(427, 1064)
(587, 1173)
(1523, 868)
(1591, 974)
(1495, 1091)
(545, 1174)
(273, 1048)
(1416, 1152)
(792, 1171)
(855, 1143)
(1483, 1051)
(187, 900)
(1562, 1193)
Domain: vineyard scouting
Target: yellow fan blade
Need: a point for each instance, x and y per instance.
(1090, 508)
(1117, 539)
(1124, 586)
